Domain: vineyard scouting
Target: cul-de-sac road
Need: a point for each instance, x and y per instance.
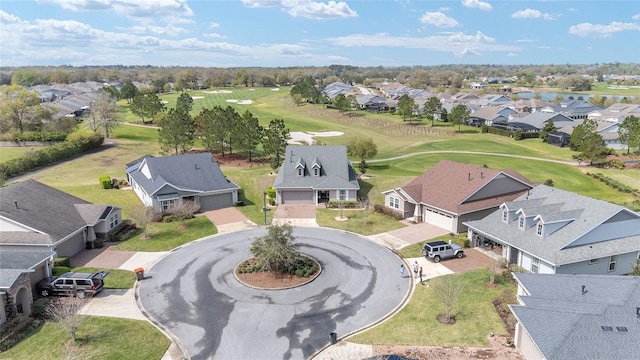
(193, 293)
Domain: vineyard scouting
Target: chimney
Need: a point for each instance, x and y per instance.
(583, 289)
(16, 203)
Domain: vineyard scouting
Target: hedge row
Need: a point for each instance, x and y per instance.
(387, 211)
(614, 184)
(76, 144)
(334, 204)
(40, 136)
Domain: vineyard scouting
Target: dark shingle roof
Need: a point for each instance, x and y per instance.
(566, 323)
(336, 172)
(188, 172)
(40, 207)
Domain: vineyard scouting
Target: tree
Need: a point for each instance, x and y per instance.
(183, 210)
(274, 142)
(208, 130)
(432, 107)
(306, 87)
(342, 103)
(128, 91)
(102, 113)
(629, 132)
(142, 216)
(362, 148)
(66, 312)
(20, 109)
(276, 250)
(247, 133)
(146, 105)
(366, 211)
(459, 115)
(448, 288)
(227, 121)
(549, 127)
(593, 147)
(297, 99)
(177, 129)
(407, 107)
(580, 132)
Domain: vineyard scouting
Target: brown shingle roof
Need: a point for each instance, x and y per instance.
(448, 184)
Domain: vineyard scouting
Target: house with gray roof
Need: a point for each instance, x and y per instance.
(487, 115)
(161, 182)
(315, 174)
(615, 113)
(553, 231)
(450, 192)
(537, 120)
(575, 109)
(577, 316)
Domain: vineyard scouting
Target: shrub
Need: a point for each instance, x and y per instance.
(168, 218)
(105, 181)
(333, 204)
(300, 272)
(39, 308)
(61, 261)
(271, 192)
(387, 211)
(238, 203)
(40, 136)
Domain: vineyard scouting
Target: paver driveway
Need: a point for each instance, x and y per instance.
(194, 294)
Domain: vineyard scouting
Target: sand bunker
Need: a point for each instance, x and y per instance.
(252, 89)
(232, 100)
(164, 101)
(197, 97)
(275, 89)
(245, 102)
(218, 92)
(298, 137)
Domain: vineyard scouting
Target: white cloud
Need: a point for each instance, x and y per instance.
(511, 54)
(477, 4)
(214, 25)
(438, 19)
(457, 43)
(214, 36)
(8, 18)
(586, 29)
(531, 14)
(170, 30)
(526, 40)
(307, 8)
(636, 17)
(133, 8)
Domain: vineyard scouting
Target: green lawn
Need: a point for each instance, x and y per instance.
(376, 223)
(8, 153)
(98, 338)
(168, 236)
(416, 323)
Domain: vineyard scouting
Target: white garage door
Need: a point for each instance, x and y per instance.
(297, 197)
(439, 220)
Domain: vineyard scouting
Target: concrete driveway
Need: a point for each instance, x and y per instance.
(228, 219)
(192, 292)
(296, 215)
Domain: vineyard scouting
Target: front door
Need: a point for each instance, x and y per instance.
(513, 255)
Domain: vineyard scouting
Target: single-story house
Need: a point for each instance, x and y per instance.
(553, 231)
(450, 192)
(161, 182)
(315, 174)
(487, 115)
(577, 316)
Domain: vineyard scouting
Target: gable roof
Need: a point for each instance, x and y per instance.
(568, 244)
(50, 213)
(14, 263)
(462, 188)
(336, 171)
(566, 323)
(539, 118)
(189, 172)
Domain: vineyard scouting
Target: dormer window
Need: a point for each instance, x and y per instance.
(521, 222)
(505, 216)
(300, 171)
(540, 229)
(316, 171)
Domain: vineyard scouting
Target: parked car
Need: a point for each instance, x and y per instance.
(73, 284)
(437, 250)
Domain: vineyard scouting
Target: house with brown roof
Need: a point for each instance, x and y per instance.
(450, 193)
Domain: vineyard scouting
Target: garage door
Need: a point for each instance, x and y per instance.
(297, 197)
(438, 220)
(217, 201)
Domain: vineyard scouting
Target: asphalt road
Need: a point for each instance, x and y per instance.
(194, 294)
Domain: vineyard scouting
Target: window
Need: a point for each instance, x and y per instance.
(168, 204)
(594, 261)
(113, 221)
(316, 171)
(396, 203)
(299, 171)
(521, 222)
(612, 262)
(343, 194)
(535, 265)
(540, 230)
(505, 215)
(390, 202)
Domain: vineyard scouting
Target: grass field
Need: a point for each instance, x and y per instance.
(416, 323)
(97, 337)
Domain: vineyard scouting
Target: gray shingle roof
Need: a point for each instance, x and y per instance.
(564, 323)
(189, 172)
(583, 230)
(14, 263)
(43, 208)
(336, 172)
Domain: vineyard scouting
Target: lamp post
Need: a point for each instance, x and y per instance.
(264, 207)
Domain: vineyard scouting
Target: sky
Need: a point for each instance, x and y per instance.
(286, 33)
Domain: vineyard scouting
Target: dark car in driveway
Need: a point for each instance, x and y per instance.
(73, 284)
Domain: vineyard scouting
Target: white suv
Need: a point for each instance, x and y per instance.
(437, 250)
